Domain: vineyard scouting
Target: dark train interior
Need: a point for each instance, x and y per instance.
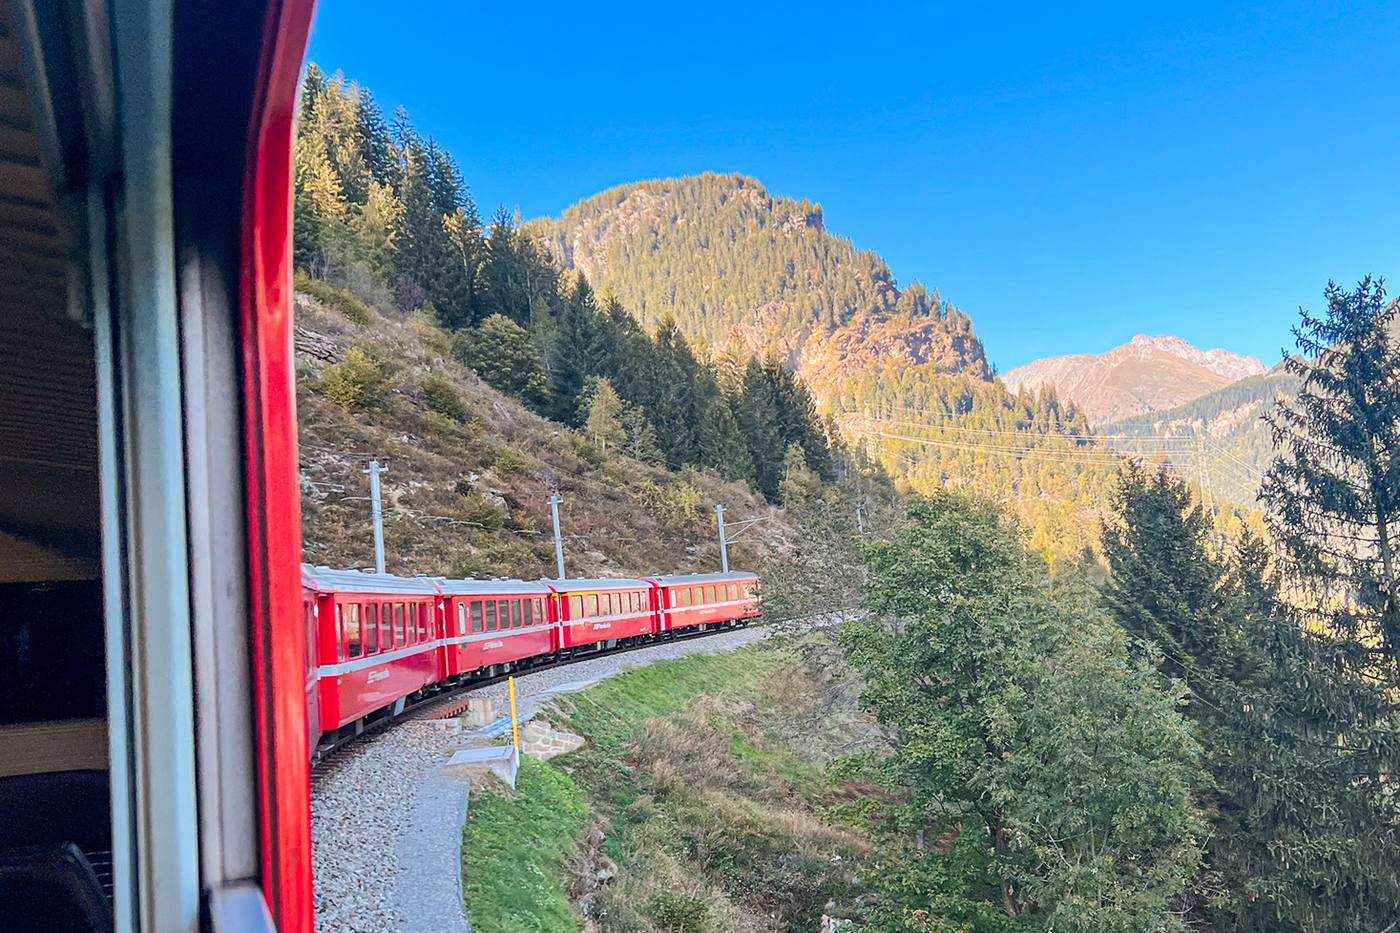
(55, 826)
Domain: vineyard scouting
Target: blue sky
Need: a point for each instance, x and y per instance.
(1068, 175)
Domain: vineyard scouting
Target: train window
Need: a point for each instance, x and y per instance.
(490, 616)
(527, 609)
(575, 607)
(461, 619)
(516, 620)
(476, 617)
(539, 611)
(710, 595)
(353, 640)
(683, 597)
(422, 622)
(733, 592)
(398, 623)
(592, 602)
(503, 614)
(371, 627)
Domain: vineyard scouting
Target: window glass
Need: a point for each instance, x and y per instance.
(683, 597)
(412, 612)
(503, 611)
(476, 617)
(339, 633)
(539, 610)
(423, 615)
(575, 607)
(529, 610)
(371, 627)
(591, 602)
(461, 618)
(733, 591)
(398, 623)
(354, 645)
(710, 595)
(491, 616)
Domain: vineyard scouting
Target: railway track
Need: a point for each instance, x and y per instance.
(444, 704)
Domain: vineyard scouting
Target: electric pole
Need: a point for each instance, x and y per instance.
(723, 541)
(378, 512)
(558, 538)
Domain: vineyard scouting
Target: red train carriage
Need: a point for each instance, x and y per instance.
(602, 613)
(697, 601)
(491, 626)
(377, 641)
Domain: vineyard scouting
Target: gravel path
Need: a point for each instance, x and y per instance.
(386, 821)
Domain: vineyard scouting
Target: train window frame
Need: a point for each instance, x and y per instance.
(590, 605)
(354, 630)
(733, 592)
(502, 615)
(517, 616)
(527, 612)
(422, 622)
(490, 615)
(371, 624)
(478, 617)
(540, 612)
(461, 618)
(711, 595)
(575, 607)
(398, 624)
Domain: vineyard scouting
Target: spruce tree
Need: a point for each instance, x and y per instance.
(1334, 490)
(1297, 745)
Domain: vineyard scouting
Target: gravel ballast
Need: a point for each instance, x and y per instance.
(386, 820)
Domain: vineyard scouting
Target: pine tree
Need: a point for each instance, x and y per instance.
(756, 411)
(1334, 491)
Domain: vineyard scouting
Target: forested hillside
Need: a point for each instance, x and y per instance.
(899, 368)
(1220, 439)
(385, 224)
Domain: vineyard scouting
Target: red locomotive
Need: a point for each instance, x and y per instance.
(165, 665)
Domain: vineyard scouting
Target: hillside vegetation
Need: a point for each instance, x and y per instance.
(384, 220)
(471, 470)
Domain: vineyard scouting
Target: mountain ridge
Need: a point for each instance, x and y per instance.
(1146, 374)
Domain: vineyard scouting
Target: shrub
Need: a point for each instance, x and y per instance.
(508, 462)
(338, 298)
(442, 397)
(675, 912)
(360, 383)
(680, 502)
(505, 356)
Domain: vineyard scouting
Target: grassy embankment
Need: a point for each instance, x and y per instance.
(703, 794)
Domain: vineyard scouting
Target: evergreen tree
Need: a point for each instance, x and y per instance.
(1334, 491)
(572, 354)
(506, 358)
(721, 443)
(1304, 827)
(756, 412)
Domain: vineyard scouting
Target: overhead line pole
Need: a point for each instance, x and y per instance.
(377, 510)
(723, 541)
(558, 538)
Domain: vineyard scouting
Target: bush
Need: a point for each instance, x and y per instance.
(675, 912)
(442, 397)
(508, 462)
(360, 383)
(338, 298)
(679, 503)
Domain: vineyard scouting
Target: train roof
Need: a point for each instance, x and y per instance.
(367, 581)
(492, 587)
(596, 583)
(686, 579)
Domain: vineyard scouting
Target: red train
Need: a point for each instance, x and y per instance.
(376, 642)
